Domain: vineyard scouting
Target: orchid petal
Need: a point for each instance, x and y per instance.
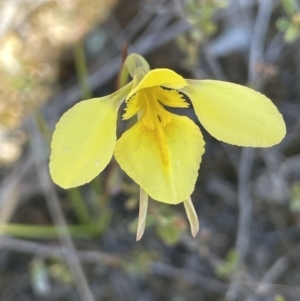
(236, 114)
(163, 161)
(159, 77)
(84, 139)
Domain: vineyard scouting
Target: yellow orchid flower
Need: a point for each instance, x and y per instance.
(162, 151)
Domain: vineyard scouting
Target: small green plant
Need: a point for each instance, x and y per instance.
(290, 24)
(225, 269)
(199, 13)
(167, 224)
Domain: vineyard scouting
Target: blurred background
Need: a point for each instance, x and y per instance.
(79, 245)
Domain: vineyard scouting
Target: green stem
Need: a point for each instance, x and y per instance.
(82, 72)
(79, 206)
(42, 125)
(78, 202)
(45, 232)
(123, 76)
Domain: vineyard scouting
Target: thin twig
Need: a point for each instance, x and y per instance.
(10, 188)
(245, 215)
(42, 250)
(247, 157)
(280, 266)
(276, 270)
(257, 44)
(245, 203)
(38, 149)
(162, 269)
(216, 286)
(256, 55)
(208, 284)
(213, 63)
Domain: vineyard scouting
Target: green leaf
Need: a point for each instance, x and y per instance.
(291, 34)
(289, 7)
(295, 198)
(279, 298)
(282, 23)
(225, 269)
(169, 231)
(39, 277)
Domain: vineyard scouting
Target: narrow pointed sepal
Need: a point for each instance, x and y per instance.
(142, 214)
(192, 216)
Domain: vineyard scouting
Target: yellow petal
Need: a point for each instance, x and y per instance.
(165, 161)
(133, 106)
(236, 114)
(84, 140)
(171, 98)
(160, 77)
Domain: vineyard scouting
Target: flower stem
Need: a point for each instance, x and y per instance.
(79, 206)
(82, 72)
(45, 232)
(77, 200)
